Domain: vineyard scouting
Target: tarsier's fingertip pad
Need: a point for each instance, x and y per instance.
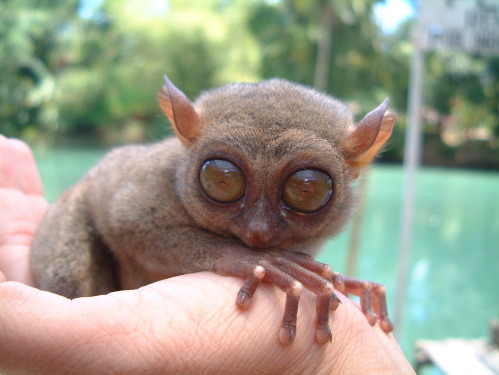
(287, 335)
(323, 335)
(371, 317)
(328, 288)
(243, 300)
(335, 302)
(386, 325)
(296, 289)
(327, 272)
(259, 272)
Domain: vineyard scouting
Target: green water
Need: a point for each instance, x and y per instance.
(62, 168)
(453, 282)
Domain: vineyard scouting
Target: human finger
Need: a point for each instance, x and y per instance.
(18, 168)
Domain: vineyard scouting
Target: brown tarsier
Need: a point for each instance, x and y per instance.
(258, 177)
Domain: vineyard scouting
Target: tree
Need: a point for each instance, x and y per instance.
(34, 41)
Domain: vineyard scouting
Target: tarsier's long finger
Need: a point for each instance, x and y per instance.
(366, 306)
(248, 289)
(323, 333)
(339, 282)
(306, 261)
(379, 306)
(313, 282)
(293, 289)
(339, 285)
(242, 268)
(362, 289)
(287, 333)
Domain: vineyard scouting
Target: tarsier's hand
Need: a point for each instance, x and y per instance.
(289, 271)
(22, 205)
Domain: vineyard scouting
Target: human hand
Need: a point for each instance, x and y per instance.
(22, 205)
(187, 324)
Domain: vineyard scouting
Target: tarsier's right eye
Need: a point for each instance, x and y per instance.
(222, 181)
(307, 190)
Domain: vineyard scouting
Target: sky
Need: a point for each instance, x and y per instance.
(87, 8)
(391, 13)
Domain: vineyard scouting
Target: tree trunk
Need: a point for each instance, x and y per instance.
(322, 63)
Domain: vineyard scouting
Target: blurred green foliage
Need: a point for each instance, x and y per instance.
(90, 69)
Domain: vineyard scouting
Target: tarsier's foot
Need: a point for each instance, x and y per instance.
(290, 271)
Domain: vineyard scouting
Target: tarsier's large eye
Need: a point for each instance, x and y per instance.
(307, 190)
(222, 181)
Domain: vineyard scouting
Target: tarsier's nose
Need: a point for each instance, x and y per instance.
(258, 234)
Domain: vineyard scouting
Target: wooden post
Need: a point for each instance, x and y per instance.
(411, 163)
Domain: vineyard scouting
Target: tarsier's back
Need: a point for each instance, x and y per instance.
(260, 179)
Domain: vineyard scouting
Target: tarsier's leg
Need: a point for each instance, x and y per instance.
(68, 258)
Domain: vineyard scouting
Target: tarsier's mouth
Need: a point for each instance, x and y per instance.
(260, 243)
(274, 242)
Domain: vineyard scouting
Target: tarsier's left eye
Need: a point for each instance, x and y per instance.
(222, 181)
(307, 190)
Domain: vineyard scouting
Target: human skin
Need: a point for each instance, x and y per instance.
(188, 324)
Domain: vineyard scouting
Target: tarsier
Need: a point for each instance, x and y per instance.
(257, 179)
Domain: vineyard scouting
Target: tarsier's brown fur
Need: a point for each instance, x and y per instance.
(140, 215)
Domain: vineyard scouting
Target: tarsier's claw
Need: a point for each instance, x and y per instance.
(243, 300)
(287, 333)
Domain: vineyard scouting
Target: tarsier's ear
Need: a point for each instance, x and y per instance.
(368, 137)
(180, 111)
